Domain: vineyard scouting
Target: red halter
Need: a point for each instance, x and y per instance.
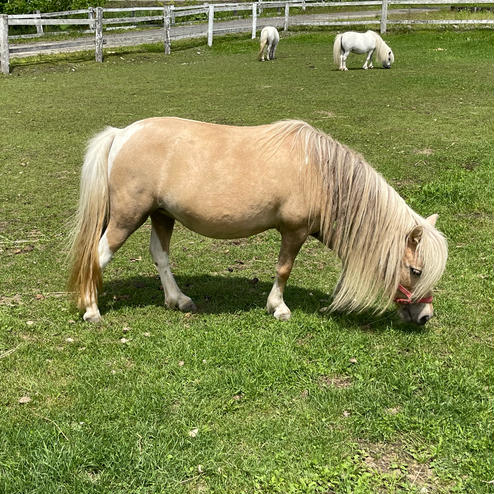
(408, 299)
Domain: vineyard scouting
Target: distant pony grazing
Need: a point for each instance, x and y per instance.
(230, 182)
(269, 41)
(368, 42)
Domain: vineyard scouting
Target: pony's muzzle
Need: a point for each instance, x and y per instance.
(415, 313)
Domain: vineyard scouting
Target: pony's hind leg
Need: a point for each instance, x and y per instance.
(343, 57)
(273, 50)
(105, 254)
(290, 245)
(162, 229)
(117, 232)
(269, 51)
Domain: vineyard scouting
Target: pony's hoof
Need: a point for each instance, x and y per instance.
(92, 317)
(282, 314)
(187, 306)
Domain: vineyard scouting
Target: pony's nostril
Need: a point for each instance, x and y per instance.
(424, 319)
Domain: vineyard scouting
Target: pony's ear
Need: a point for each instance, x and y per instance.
(432, 219)
(415, 235)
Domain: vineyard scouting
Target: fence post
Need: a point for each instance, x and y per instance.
(210, 25)
(39, 27)
(4, 43)
(287, 14)
(384, 16)
(90, 16)
(166, 25)
(254, 20)
(99, 34)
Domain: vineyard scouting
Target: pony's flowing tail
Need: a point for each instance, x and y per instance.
(263, 44)
(91, 219)
(337, 50)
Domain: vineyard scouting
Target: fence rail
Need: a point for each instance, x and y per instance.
(96, 18)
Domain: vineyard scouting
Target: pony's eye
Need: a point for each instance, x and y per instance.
(415, 271)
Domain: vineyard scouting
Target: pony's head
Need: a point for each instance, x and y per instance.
(384, 53)
(390, 58)
(422, 265)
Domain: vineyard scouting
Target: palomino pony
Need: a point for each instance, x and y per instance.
(229, 182)
(269, 41)
(368, 42)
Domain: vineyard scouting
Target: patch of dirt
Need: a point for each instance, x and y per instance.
(425, 152)
(11, 301)
(393, 459)
(305, 340)
(325, 114)
(470, 165)
(339, 382)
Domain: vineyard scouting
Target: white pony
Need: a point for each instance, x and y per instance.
(368, 42)
(269, 41)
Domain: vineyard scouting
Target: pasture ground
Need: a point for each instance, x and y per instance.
(230, 400)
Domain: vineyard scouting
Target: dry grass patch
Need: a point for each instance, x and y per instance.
(394, 459)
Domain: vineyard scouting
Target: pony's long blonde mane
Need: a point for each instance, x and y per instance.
(382, 49)
(361, 218)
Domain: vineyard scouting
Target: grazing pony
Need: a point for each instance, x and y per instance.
(368, 42)
(269, 41)
(229, 182)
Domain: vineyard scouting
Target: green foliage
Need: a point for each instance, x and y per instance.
(29, 6)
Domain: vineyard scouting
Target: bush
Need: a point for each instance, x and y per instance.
(29, 6)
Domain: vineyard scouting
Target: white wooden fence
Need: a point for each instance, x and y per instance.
(96, 18)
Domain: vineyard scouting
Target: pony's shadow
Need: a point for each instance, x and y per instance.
(230, 295)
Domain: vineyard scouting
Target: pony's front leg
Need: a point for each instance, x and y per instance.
(105, 254)
(290, 245)
(368, 65)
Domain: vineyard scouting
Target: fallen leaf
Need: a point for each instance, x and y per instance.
(24, 399)
(193, 432)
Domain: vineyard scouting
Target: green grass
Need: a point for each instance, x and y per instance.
(319, 404)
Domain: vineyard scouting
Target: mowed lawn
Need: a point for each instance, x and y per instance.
(229, 400)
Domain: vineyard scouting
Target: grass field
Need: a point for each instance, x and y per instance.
(230, 400)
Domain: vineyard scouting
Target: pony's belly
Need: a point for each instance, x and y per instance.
(225, 224)
(359, 50)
